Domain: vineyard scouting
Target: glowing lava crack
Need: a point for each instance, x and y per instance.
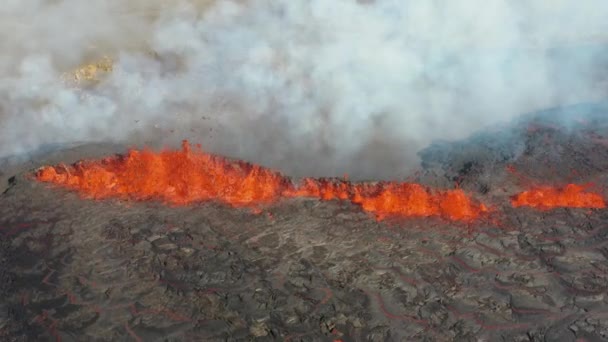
(190, 175)
(572, 195)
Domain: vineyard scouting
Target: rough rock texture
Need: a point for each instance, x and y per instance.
(74, 269)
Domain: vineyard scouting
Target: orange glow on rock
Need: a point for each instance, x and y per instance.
(189, 176)
(177, 177)
(395, 199)
(546, 198)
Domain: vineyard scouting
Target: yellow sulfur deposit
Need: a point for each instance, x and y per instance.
(91, 72)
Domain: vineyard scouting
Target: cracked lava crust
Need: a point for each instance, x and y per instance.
(312, 266)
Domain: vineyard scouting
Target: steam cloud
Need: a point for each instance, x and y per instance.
(311, 87)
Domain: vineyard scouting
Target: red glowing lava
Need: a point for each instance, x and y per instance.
(188, 176)
(546, 198)
(395, 199)
(178, 177)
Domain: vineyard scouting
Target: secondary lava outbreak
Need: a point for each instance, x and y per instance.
(190, 175)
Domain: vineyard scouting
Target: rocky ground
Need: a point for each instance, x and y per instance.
(304, 270)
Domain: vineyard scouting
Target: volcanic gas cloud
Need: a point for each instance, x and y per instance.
(191, 175)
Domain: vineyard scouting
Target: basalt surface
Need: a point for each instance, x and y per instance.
(74, 269)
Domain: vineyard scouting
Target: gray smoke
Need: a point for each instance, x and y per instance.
(311, 87)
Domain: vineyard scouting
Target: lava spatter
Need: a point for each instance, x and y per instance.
(386, 199)
(177, 177)
(191, 175)
(571, 195)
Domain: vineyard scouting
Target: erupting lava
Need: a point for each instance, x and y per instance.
(187, 176)
(395, 199)
(178, 177)
(572, 195)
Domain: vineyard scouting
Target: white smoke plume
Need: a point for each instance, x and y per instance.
(310, 87)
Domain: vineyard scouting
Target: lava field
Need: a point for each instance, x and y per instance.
(509, 242)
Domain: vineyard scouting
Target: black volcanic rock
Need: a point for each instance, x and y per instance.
(303, 270)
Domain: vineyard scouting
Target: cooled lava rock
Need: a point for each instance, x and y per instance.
(302, 269)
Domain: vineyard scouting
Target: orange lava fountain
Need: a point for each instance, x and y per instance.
(178, 177)
(395, 199)
(546, 198)
(187, 176)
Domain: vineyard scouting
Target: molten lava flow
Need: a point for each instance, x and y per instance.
(187, 176)
(395, 199)
(178, 177)
(545, 198)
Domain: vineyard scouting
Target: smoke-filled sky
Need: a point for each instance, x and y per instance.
(311, 87)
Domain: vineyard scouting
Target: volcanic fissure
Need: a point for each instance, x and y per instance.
(190, 175)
